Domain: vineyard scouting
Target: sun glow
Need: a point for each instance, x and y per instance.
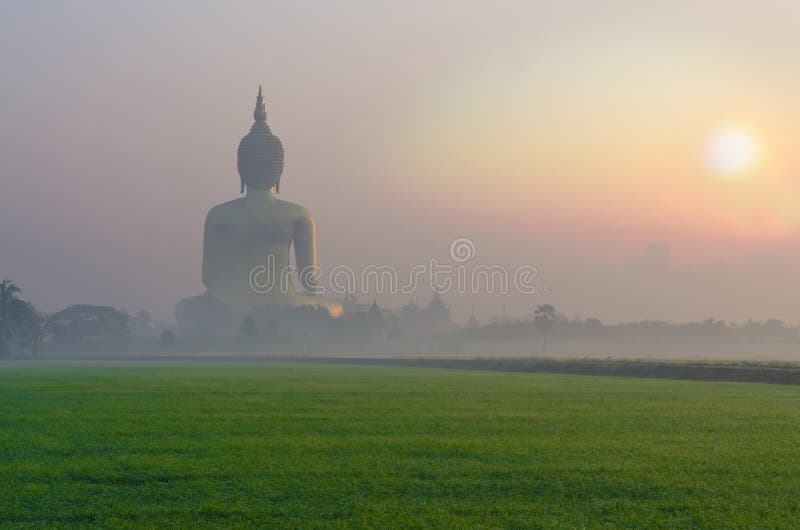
(731, 152)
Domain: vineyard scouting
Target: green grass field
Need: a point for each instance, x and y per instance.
(309, 445)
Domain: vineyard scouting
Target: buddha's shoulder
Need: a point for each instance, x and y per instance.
(292, 209)
(232, 210)
(225, 210)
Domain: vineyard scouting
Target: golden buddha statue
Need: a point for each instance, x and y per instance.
(247, 241)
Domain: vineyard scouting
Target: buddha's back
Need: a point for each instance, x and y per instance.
(249, 239)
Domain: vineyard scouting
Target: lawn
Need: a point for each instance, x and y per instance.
(312, 445)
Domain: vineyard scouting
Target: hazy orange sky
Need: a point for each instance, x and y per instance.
(569, 135)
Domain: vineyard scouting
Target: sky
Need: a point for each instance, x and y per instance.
(641, 155)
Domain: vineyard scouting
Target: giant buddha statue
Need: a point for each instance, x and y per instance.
(247, 242)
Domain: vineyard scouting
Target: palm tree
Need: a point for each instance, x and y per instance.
(16, 316)
(543, 317)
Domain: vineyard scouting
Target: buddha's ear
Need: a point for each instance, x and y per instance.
(278, 185)
(241, 179)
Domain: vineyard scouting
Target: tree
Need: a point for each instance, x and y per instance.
(167, 338)
(543, 317)
(410, 313)
(375, 313)
(437, 311)
(247, 330)
(90, 324)
(140, 323)
(17, 317)
(376, 321)
(43, 328)
(350, 305)
(270, 333)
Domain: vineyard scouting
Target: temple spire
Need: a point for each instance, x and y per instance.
(260, 114)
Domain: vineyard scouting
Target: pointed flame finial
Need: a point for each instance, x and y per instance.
(260, 114)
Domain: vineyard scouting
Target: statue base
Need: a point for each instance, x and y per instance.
(204, 316)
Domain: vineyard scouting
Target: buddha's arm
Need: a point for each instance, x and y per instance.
(305, 252)
(211, 251)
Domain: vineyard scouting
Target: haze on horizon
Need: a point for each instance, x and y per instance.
(641, 156)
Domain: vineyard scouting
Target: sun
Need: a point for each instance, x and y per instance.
(731, 151)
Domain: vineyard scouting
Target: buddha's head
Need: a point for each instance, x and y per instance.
(260, 154)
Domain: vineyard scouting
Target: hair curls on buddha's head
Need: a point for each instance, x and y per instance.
(260, 154)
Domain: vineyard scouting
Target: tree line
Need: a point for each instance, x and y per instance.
(93, 328)
(24, 329)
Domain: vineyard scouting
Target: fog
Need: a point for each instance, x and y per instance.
(562, 137)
